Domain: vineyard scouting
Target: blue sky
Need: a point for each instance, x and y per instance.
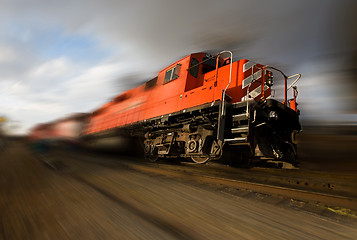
(53, 42)
(78, 48)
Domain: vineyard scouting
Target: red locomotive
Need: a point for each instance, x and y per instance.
(199, 106)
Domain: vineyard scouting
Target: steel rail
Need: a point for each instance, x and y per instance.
(303, 195)
(297, 194)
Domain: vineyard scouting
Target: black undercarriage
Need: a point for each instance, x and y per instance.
(239, 132)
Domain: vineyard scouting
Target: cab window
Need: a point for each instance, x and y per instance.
(209, 64)
(172, 73)
(151, 84)
(194, 67)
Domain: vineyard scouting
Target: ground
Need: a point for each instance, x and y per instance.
(54, 197)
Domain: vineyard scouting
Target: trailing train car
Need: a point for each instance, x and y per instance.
(201, 107)
(40, 131)
(63, 131)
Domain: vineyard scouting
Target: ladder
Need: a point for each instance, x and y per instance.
(239, 129)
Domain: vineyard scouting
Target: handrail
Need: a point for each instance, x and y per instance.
(230, 73)
(286, 88)
(230, 78)
(297, 79)
(222, 112)
(247, 97)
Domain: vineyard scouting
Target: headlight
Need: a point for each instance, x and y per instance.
(269, 78)
(273, 115)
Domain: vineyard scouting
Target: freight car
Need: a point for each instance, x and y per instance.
(201, 107)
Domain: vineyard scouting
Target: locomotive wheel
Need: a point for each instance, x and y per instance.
(290, 155)
(152, 158)
(200, 160)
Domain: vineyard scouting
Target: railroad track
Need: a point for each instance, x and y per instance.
(197, 173)
(93, 196)
(170, 227)
(303, 195)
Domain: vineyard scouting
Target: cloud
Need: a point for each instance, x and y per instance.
(58, 87)
(63, 56)
(8, 54)
(51, 69)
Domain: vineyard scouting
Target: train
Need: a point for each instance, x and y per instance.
(61, 132)
(202, 107)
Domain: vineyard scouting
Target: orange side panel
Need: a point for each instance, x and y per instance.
(223, 80)
(171, 97)
(199, 96)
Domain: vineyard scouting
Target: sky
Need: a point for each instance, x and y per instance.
(61, 57)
